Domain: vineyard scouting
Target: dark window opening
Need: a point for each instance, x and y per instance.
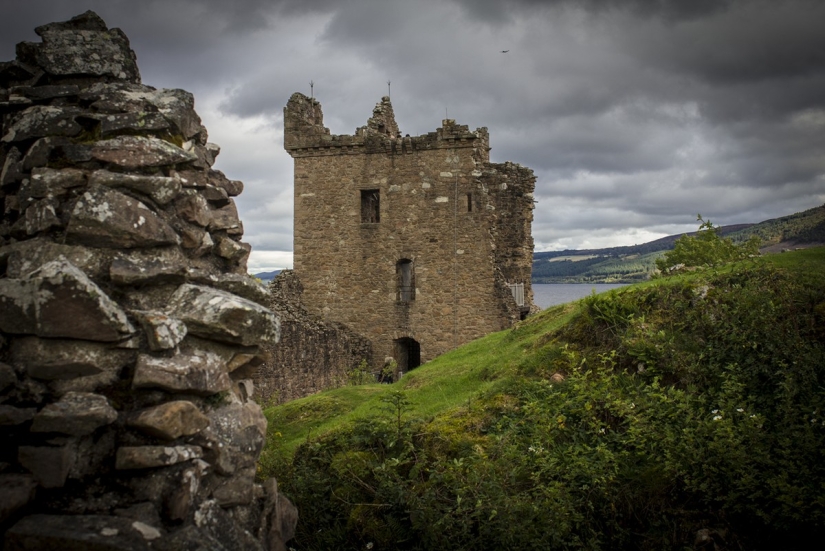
(370, 211)
(469, 202)
(405, 280)
(407, 354)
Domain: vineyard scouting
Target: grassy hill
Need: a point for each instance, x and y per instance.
(683, 409)
(635, 263)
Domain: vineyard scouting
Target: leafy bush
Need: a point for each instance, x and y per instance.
(707, 248)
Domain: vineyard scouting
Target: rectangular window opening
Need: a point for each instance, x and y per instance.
(469, 202)
(370, 206)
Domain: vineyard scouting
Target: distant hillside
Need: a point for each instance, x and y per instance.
(635, 263)
(267, 276)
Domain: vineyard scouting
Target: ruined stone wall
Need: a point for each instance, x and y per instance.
(463, 222)
(312, 355)
(129, 330)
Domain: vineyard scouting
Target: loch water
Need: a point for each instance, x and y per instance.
(551, 294)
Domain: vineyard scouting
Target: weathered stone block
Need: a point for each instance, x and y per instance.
(134, 152)
(224, 218)
(104, 217)
(170, 420)
(76, 413)
(162, 332)
(49, 464)
(234, 438)
(66, 359)
(7, 376)
(218, 315)
(192, 207)
(78, 533)
(82, 46)
(147, 457)
(199, 373)
(160, 189)
(39, 121)
(69, 304)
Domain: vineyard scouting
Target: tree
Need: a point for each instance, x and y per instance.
(706, 248)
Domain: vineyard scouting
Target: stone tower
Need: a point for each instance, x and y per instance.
(418, 243)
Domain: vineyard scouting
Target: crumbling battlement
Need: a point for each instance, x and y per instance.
(306, 135)
(129, 329)
(418, 243)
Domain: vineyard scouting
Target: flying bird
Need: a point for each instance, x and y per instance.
(504, 51)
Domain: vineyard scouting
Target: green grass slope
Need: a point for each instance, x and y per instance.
(684, 412)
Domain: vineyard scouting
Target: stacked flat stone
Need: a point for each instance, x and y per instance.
(129, 330)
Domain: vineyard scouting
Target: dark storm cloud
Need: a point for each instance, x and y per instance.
(634, 114)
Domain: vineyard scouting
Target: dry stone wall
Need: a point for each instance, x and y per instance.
(312, 355)
(129, 330)
(449, 227)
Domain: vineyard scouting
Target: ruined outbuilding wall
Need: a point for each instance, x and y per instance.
(312, 355)
(462, 222)
(129, 330)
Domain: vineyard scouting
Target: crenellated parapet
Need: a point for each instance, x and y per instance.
(306, 136)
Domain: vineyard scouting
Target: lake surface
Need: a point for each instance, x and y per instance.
(551, 294)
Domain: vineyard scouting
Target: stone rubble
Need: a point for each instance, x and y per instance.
(129, 329)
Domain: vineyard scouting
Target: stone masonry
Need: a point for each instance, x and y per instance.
(312, 355)
(129, 330)
(418, 243)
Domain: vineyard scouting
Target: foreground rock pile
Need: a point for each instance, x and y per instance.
(129, 330)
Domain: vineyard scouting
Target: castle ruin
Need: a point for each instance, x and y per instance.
(420, 244)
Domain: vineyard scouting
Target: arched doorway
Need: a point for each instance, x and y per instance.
(407, 354)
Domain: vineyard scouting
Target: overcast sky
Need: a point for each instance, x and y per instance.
(634, 114)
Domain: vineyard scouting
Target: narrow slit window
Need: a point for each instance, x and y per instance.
(370, 206)
(469, 202)
(405, 276)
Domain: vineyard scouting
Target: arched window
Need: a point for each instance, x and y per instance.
(405, 280)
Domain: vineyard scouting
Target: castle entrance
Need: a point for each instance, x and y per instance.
(407, 354)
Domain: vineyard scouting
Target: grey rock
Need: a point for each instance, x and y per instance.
(7, 376)
(49, 464)
(17, 306)
(215, 195)
(15, 71)
(279, 518)
(39, 121)
(42, 216)
(76, 413)
(170, 420)
(16, 491)
(12, 168)
(39, 93)
(162, 331)
(51, 359)
(144, 512)
(139, 121)
(200, 373)
(234, 438)
(217, 178)
(147, 457)
(82, 46)
(179, 502)
(40, 152)
(69, 304)
(224, 218)
(104, 217)
(213, 519)
(48, 182)
(197, 240)
(135, 152)
(235, 490)
(192, 207)
(242, 285)
(11, 416)
(231, 249)
(222, 316)
(160, 189)
(214, 150)
(26, 256)
(76, 533)
(145, 266)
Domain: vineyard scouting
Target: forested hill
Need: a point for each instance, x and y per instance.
(635, 263)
